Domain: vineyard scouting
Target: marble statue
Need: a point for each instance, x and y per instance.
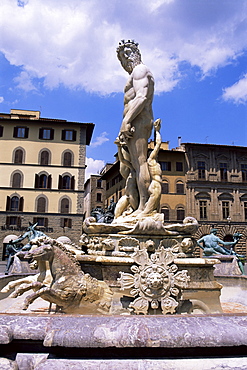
(137, 122)
(61, 281)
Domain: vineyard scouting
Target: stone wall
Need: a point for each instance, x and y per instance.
(54, 230)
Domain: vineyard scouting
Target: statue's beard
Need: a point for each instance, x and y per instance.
(129, 65)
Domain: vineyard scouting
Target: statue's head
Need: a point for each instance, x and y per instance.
(213, 231)
(129, 54)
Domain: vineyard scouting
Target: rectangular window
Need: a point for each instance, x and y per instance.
(225, 210)
(179, 166)
(165, 166)
(99, 183)
(66, 222)
(69, 135)
(203, 209)
(46, 133)
(223, 171)
(42, 221)
(99, 197)
(21, 132)
(12, 220)
(201, 170)
(244, 172)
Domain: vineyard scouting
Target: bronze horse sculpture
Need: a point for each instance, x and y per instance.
(71, 289)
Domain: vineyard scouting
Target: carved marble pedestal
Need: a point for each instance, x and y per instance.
(203, 290)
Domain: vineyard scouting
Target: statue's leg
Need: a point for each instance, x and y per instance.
(25, 287)
(46, 293)
(241, 266)
(9, 263)
(222, 250)
(15, 283)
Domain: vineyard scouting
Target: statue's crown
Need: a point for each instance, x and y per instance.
(129, 43)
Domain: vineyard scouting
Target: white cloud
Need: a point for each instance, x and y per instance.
(237, 92)
(99, 140)
(93, 167)
(1, 99)
(24, 82)
(74, 43)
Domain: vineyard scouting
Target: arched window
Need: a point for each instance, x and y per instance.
(18, 156)
(67, 159)
(14, 203)
(44, 158)
(66, 182)
(180, 214)
(64, 205)
(164, 187)
(43, 181)
(180, 187)
(41, 205)
(16, 180)
(166, 213)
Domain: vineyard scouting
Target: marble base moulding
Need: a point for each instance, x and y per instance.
(151, 341)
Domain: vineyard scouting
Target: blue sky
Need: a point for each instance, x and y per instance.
(59, 57)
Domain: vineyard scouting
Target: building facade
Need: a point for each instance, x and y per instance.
(42, 166)
(208, 182)
(94, 194)
(216, 189)
(173, 197)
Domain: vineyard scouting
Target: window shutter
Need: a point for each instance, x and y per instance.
(69, 222)
(63, 134)
(35, 220)
(8, 204)
(21, 202)
(7, 220)
(74, 135)
(61, 222)
(73, 183)
(15, 131)
(49, 182)
(46, 222)
(1, 131)
(36, 185)
(41, 133)
(52, 133)
(26, 132)
(60, 182)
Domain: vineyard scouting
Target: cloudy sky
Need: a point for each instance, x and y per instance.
(59, 57)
